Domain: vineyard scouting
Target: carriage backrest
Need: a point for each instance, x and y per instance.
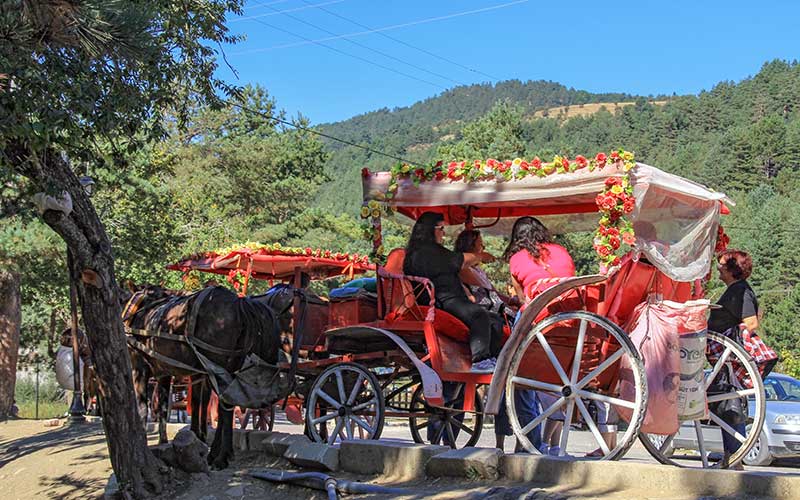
(400, 295)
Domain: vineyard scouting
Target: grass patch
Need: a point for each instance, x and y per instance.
(47, 409)
(53, 400)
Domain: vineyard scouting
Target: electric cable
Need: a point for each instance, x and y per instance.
(420, 49)
(359, 44)
(351, 55)
(249, 18)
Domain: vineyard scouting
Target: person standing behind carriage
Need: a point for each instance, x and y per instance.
(738, 306)
(426, 257)
(532, 256)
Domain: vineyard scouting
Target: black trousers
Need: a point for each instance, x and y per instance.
(485, 328)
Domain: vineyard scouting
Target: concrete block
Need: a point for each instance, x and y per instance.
(276, 443)
(472, 463)
(392, 459)
(239, 439)
(313, 455)
(658, 480)
(254, 439)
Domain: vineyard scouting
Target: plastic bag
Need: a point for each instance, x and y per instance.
(653, 331)
(65, 369)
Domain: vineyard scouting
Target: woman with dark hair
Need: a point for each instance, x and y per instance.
(479, 287)
(532, 256)
(739, 306)
(426, 257)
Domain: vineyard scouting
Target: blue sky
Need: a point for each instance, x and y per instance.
(638, 47)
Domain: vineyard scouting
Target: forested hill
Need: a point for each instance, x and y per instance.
(409, 131)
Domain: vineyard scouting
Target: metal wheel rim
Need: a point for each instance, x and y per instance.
(418, 405)
(753, 430)
(572, 401)
(356, 411)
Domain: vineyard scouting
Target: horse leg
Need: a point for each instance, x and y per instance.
(141, 374)
(223, 438)
(164, 388)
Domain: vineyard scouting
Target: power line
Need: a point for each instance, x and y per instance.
(358, 44)
(321, 134)
(385, 28)
(351, 55)
(249, 18)
(260, 4)
(424, 51)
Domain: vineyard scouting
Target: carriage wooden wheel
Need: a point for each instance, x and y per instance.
(698, 442)
(446, 426)
(570, 386)
(345, 403)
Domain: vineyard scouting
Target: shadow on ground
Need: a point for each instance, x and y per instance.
(68, 437)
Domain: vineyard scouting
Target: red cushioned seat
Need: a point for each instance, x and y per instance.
(445, 324)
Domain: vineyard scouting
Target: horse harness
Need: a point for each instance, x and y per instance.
(132, 307)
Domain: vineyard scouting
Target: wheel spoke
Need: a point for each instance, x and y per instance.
(356, 389)
(592, 426)
(362, 425)
(607, 399)
(597, 371)
(726, 427)
(546, 413)
(717, 367)
(665, 445)
(742, 393)
(701, 443)
(366, 404)
(553, 359)
(576, 363)
(527, 382)
(324, 395)
(451, 438)
(464, 427)
(565, 432)
(348, 427)
(340, 386)
(425, 423)
(336, 431)
(437, 438)
(324, 418)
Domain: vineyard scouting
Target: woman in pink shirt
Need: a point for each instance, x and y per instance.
(532, 256)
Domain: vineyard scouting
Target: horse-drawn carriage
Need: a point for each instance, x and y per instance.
(570, 341)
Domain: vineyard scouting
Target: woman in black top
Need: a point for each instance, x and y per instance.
(739, 306)
(426, 257)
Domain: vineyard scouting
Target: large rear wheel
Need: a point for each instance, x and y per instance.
(554, 361)
(698, 443)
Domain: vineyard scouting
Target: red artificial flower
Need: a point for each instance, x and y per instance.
(581, 161)
(420, 173)
(491, 163)
(629, 238)
(327, 254)
(309, 251)
(602, 230)
(608, 202)
(508, 163)
(603, 251)
(439, 175)
(565, 162)
(524, 165)
(629, 205)
(614, 215)
(600, 159)
(365, 172)
(477, 164)
(502, 167)
(615, 262)
(613, 181)
(612, 231)
(536, 163)
(439, 163)
(614, 242)
(615, 156)
(452, 165)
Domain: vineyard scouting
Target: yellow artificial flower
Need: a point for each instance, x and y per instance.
(364, 212)
(517, 161)
(616, 189)
(376, 212)
(627, 156)
(372, 204)
(405, 169)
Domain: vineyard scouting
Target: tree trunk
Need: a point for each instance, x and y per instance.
(138, 472)
(10, 320)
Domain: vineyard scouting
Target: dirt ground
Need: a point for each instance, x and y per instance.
(69, 462)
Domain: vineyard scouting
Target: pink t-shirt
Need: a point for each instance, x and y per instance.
(555, 262)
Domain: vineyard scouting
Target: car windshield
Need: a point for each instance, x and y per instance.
(782, 389)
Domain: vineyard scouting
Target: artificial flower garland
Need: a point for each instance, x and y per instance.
(615, 202)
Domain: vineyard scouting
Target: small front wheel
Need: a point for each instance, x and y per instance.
(345, 403)
(451, 426)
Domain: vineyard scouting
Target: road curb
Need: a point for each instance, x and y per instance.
(398, 461)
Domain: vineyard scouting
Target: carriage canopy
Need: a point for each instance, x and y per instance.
(675, 220)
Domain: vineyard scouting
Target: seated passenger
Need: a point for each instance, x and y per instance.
(478, 285)
(426, 257)
(532, 256)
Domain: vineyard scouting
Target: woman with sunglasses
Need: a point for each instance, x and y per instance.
(428, 258)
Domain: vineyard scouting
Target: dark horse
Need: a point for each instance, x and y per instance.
(223, 327)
